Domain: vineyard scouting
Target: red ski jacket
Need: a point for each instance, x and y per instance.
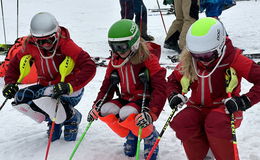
(48, 69)
(210, 91)
(132, 87)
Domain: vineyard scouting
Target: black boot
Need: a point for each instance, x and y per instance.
(172, 42)
(144, 34)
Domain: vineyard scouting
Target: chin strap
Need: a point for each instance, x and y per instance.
(54, 51)
(124, 62)
(195, 65)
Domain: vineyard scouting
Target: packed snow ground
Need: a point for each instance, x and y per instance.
(88, 22)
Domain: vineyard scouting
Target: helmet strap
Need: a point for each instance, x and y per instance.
(54, 51)
(220, 59)
(124, 62)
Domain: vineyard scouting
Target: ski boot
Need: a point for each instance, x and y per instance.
(147, 37)
(148, 145)
(130, 145)
(71, 126)
(57, 130)
(174, 47)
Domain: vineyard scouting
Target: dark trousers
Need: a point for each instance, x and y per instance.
(131, 8)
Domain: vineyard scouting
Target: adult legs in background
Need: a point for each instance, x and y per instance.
(186, 12)
(127, 9)
(141, 14)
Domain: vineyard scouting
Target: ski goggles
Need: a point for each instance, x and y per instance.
(119, 47)
(205, 57)
(49, 40)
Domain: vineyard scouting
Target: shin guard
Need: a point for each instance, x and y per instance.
(28, 111)
(129, 123)
(113, 122)
(48, 105)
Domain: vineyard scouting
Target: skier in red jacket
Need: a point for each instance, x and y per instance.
(49, 44)
(126, 114)
(205, 122)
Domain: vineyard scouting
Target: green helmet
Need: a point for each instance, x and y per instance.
(204, 36)
(126, 32)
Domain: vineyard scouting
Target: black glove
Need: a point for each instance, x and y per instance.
(92, 115)
(234, 104)
(94, 112)
(177, 100)
(60, 89)
(10, 90)
(143, 119)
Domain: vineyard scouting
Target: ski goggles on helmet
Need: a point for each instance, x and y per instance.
(207, 56)
(119, 47)
(47, 40)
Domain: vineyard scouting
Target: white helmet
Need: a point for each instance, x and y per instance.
(43, 24)
(205, 36)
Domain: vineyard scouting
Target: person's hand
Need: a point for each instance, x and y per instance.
(92, 115)
(94, 112)
(10, 90)
(61, 88)
(234, 104)
(177, 100)
(143, 119)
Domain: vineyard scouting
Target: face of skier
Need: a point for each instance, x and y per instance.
(121, 48)
(46, 42)
(205, 57)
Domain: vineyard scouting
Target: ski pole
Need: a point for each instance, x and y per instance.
(17, 20)
(144, 78)
(24, 71)
(141, 19)
(114, 80)
(65, 69)
(185, 82)
(232, 80)
(161, 17)
(3, 18)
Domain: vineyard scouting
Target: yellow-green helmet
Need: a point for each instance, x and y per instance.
(206, 35)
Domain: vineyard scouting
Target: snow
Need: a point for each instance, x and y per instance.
(88, 22)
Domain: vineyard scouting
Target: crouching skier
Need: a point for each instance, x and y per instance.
(206, 121)
(130, 56)
(49, 45)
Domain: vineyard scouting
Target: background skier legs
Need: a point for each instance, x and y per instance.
(131, 8)
(186, 12)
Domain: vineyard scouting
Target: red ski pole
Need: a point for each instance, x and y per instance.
(161, 17)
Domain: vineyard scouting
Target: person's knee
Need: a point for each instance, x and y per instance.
(126, 111)
(218, 125)
(109, 108)
(24, 96)
(186, 124)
